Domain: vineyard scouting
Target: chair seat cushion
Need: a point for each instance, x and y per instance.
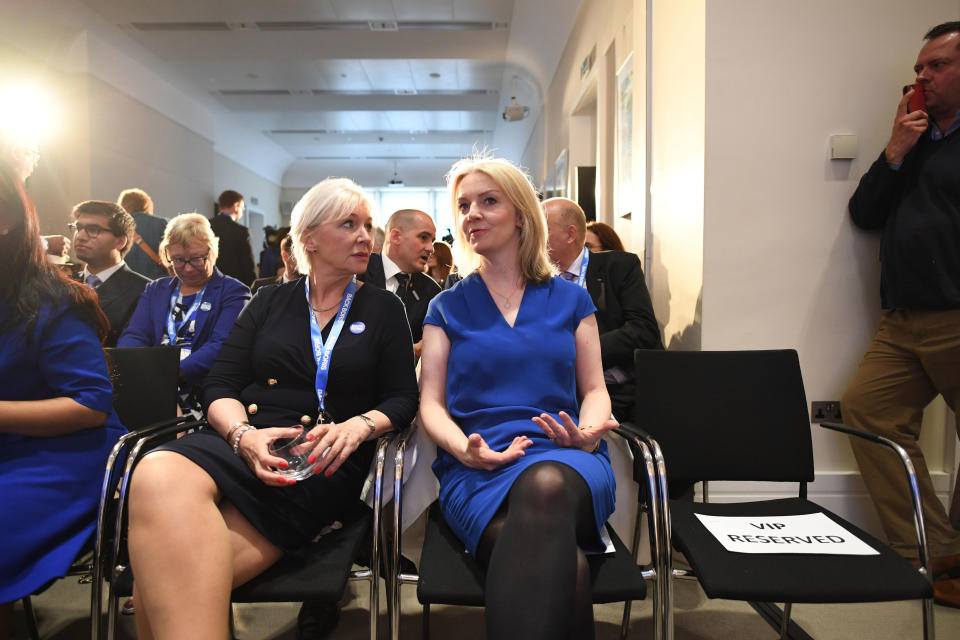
(791, 577)
(450, 575)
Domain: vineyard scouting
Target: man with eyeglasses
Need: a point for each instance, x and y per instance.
(102, 233)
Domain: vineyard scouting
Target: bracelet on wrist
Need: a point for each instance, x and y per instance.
(233, 429)
(236, 438)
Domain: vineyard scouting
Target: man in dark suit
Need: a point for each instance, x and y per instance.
(399, 268)
(616, 285)
(236, 254)
(102, 236)
(289, 266)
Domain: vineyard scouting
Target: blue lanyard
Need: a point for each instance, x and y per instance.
(173, 329)
(584, 259)
(322, 350)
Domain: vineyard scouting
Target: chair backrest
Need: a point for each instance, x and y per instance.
(144, 384)
(726, 415)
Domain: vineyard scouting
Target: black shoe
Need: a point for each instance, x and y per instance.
(317, 620)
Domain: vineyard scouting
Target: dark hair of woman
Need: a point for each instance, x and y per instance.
(609, 238)
(28, 279)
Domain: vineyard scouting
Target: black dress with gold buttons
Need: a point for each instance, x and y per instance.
(268, 366)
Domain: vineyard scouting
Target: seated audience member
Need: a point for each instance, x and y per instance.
(378, 236)
(289, 265)
(505, 354)
(209, 511)
(236, 255)
(614, 280)
(144, 256)
(102, 232)
(399, 268)
(440, 263)
(601, 237)
(194, 309)
(57, 423)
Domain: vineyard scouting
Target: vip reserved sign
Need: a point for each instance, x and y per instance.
(812, 533)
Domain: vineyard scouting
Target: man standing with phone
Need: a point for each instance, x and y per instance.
(912, 193)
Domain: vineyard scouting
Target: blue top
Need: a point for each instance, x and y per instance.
(223, 299)
(498, 378)
(49, 487)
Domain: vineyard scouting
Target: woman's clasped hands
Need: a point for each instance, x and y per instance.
(327, 445)
(566, 433)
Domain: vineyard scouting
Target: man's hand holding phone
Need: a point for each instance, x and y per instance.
(908, 126)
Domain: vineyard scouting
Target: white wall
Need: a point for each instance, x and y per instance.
(783, 266)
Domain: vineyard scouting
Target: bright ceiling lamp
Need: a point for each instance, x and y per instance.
(26, 114)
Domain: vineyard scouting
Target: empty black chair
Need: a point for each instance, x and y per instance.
(741, 415)
(448, 574)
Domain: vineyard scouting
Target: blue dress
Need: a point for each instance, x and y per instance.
(49, 487)
(498, 378)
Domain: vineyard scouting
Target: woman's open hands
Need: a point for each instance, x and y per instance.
(255, 450)
(567, 434)
(478, 454)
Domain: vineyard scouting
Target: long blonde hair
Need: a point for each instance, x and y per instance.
(535, 265)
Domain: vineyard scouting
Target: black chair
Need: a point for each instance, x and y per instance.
(319, 576)
(448, 574)
(741, 415)
(144, 392)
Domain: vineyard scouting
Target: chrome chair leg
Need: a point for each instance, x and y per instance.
(785, 621)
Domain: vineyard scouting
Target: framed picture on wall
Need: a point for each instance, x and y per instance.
(560, 175)
(624, 139)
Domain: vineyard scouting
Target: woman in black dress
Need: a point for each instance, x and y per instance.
(209, 512)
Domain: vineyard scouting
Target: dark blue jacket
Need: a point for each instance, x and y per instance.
(226, 297)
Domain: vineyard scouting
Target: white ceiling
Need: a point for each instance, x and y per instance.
(324, 81)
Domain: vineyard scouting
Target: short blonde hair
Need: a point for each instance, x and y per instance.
(186, 227)
(535, 265)
(330, 200)
(135, 200)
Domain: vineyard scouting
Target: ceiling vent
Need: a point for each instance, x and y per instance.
(384, 25)
(253, 92)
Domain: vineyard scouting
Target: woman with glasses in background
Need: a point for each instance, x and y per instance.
(194, 309)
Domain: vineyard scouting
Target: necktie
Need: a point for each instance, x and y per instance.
(569, 277)
(93, 281)
(403, 281)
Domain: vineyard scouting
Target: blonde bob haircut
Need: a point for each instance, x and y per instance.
(186, 227)
(535, 265)
(331, 200)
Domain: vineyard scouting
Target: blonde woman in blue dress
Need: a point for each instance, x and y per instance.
(512, 393)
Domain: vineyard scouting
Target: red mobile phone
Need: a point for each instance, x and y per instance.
(917, 101)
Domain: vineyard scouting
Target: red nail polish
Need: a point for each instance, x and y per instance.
(291, 481)
(311, 460)
(283, 465)
(328, 473)
(310, 436)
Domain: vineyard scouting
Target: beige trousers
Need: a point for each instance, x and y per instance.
(914, 356)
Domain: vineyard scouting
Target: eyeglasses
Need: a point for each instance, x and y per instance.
(196, 262)
(92, 230)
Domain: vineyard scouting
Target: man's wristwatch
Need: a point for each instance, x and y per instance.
(370, 423)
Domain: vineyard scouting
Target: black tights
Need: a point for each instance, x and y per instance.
(538, 580)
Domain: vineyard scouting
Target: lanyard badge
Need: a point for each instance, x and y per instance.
(322, 351)
(173, 328)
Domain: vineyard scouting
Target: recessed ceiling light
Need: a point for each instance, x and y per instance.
(343, 75)
(434, 75)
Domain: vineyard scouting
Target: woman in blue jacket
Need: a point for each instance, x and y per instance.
(194, 309)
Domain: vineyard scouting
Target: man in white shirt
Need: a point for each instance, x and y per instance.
(400, 267)
(103, 232)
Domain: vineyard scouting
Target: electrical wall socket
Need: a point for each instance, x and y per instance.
(825, 411)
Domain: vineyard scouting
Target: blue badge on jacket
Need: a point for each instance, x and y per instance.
(358, 327)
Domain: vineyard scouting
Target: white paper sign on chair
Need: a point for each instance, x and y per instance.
(812, 533)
